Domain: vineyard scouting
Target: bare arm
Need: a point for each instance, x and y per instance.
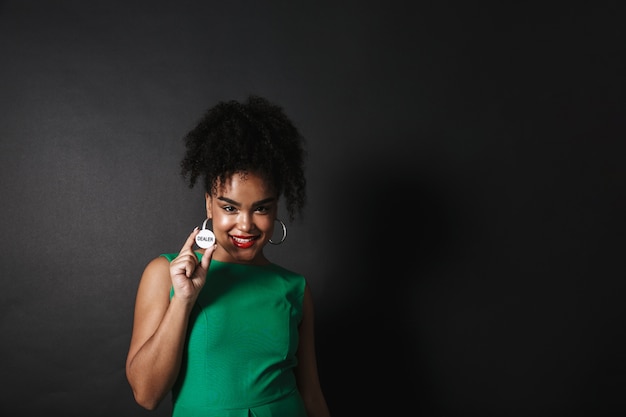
(160, 324)
(306, 372)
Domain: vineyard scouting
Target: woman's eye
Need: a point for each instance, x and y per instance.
(261, 209)
(229, 208)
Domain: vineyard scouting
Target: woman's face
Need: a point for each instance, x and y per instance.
(243, 212)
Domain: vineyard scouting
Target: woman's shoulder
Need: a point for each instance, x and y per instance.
(156, 273)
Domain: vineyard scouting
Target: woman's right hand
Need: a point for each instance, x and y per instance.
(160, 323)
(187, 273)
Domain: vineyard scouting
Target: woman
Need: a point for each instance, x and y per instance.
(226, 330)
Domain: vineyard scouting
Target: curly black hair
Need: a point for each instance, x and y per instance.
(253, 136)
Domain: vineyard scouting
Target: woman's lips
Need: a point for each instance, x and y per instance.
(243, 242)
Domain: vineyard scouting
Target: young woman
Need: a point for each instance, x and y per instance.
(227, 331)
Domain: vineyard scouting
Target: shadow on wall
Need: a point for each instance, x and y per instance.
(391, 226)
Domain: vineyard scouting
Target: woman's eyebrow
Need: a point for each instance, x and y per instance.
(256, 203)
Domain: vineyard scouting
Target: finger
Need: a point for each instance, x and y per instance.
(188, 246)
(185, 263)
(203, 266)
(189, 269)
(207, 256)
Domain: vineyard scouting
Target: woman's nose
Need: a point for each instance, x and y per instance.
(244, 222)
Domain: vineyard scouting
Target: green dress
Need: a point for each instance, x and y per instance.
(241, 344)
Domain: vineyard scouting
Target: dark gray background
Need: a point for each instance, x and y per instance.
(464, 237)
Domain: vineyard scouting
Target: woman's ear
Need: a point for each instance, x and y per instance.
(208, 199)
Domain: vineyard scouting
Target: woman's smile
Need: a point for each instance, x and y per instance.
(243, 242)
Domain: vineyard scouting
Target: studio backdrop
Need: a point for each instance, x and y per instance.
(464, 233)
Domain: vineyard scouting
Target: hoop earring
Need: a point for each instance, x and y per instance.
(284, 233)
(205, 238)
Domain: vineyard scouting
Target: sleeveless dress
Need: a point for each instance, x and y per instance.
(241, 344)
